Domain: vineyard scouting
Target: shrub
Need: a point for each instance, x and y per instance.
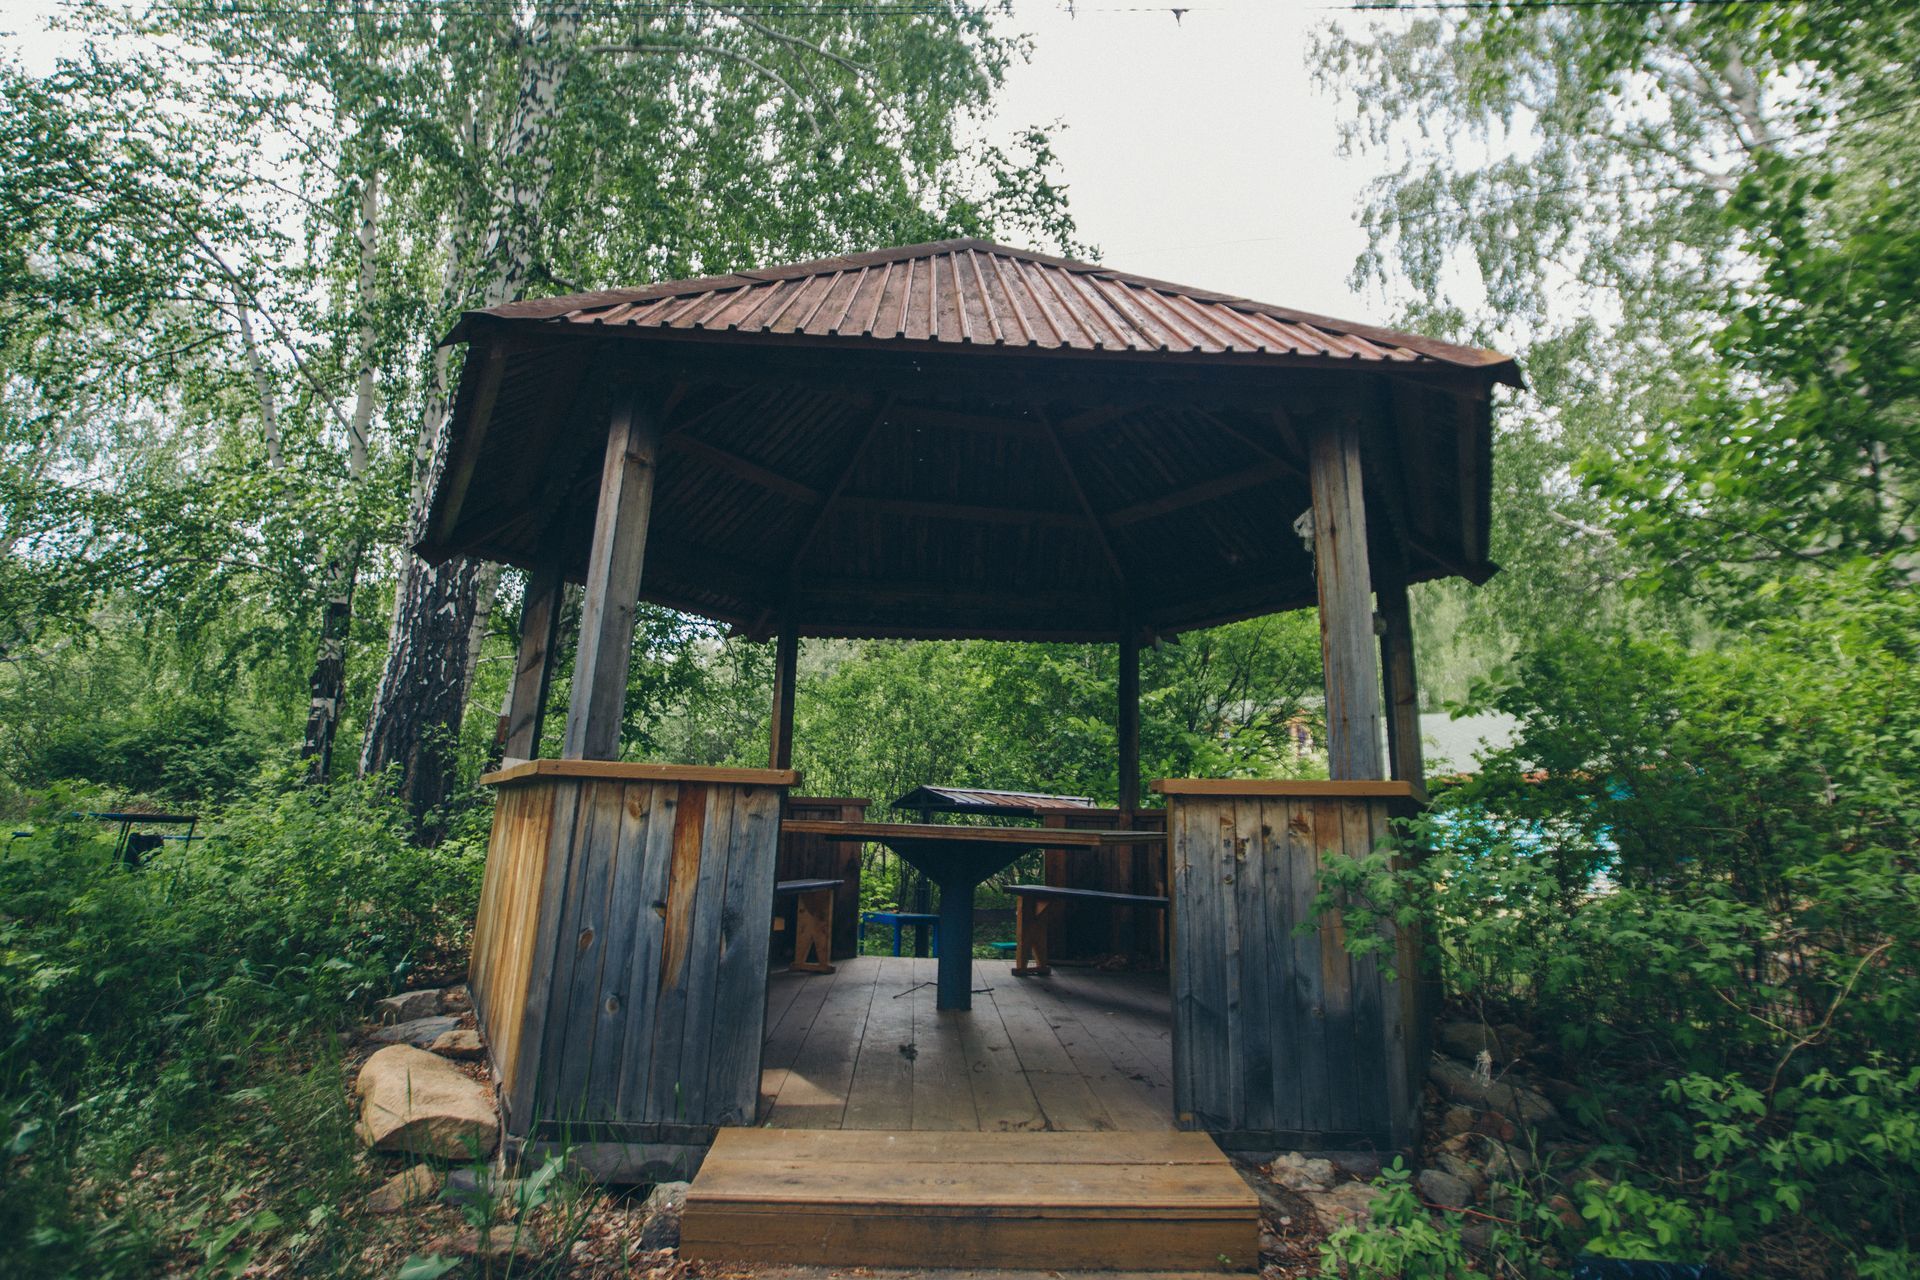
(133, 1001)
(1696, 872)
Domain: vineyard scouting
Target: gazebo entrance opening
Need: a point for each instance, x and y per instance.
(948, 440)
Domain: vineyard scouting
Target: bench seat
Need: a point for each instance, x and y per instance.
(1030, 930)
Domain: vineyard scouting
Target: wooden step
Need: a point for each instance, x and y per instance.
(886, 1198)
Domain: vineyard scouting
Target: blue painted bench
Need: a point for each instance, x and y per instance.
(928, 922)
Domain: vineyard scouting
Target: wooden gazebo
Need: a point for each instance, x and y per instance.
(945, 440)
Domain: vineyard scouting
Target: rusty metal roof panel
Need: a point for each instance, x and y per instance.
(972, 293)
(980, 800)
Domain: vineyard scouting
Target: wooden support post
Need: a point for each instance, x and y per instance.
(786, 661)
(1346, 606)
(1030, 937)
(1401, 688)
(533, 671)
(613, 582)
(1128, 722)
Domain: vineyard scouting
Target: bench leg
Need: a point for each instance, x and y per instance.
(813, 933)
(1030, 940)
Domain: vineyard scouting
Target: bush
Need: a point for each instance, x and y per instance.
(133, 1002)
(1696, 873)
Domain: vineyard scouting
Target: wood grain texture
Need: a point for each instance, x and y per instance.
(612, 592)
(1344, 585)
(1298, 788)
(634, 771)
(1158, 1201)
(1284, 1037)
(1081, 1051)
(533, 668)
(624, 984)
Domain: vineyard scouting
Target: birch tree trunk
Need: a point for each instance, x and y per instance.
(327, 686)
(440, 611)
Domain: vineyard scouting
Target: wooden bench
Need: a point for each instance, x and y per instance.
(1030, 930)
(812, 924)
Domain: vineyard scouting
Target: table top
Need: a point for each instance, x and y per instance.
(1027, 837)
(805, 886)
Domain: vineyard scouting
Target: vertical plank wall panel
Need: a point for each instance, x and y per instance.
(739, 1003)
(620, 957)
(1283, 1038)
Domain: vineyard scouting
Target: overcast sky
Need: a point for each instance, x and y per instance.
(1195, 150)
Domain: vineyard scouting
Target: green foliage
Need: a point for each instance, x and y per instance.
(1398, 1241)
(140, 1005)
(1695, 872)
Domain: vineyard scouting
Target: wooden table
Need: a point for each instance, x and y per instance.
(957, 859)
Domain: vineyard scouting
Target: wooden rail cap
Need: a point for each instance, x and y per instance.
(623, 771)
(1296, 788)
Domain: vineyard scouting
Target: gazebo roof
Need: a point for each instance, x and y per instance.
(976, 293)
(961, 439)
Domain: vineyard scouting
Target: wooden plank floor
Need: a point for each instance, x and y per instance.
(1158, 1201)
(864, 1048)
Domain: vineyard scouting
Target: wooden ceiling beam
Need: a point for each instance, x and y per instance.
(744, 468)
(969, 512)
(1092, 517)
(921, 415)
(875, 421)
(1205, 491)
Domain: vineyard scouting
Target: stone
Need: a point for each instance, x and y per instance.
(498, 1245)
(1456, 1119)
(419, 1032)
(1296, 1172)
(410, 1186)
(469, 1187)
(1348, 1202)
(1365, 1165)
(1463, 1169)
(662, 1207)
(1437, 1186)
(461, 1042)
(406, 1006)
(412, 1101)
(455, 999)
(1463, 1085)
(1465, 1040)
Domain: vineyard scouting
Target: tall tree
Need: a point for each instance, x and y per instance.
(442, 157)
(1568, 180)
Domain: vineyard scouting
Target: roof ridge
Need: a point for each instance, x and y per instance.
(564, 306)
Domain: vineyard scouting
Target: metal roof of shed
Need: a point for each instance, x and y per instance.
(960, 293)
(981, 800)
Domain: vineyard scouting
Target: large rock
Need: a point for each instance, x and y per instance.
(1296, 1172)
(461, 1042)
(1348, 1202)
(662, 1228)
(412, 1101)
(1464, 1085)
(419, 1032)
(408, 1187)
(406, 1006)
(1465, 1040)
(1440, 1187)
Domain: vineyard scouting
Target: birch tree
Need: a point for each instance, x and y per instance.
(441, 157)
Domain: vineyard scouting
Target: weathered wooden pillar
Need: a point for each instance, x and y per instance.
(1346, 607)
(533, 670)
(1128, 722)
(613, 581)
(786, 664)
(1400, 686)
